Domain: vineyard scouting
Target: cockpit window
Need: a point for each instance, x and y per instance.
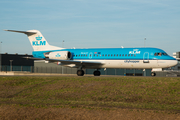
(165, 54)
(160, 54)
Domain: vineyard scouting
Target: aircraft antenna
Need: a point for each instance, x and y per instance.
(144, 41)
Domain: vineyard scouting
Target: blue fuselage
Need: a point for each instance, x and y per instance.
(112, 54)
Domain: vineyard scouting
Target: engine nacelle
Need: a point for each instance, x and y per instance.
(62, 55)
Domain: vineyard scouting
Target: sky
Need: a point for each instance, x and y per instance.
(91, 23)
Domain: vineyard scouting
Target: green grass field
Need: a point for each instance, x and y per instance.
(92, 93)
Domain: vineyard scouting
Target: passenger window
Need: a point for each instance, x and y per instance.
(111, 55)
(117, 54)
(131, 54)
(123, 55)
(120, 55)
(108, 55)
(134, 54)
(126, 55)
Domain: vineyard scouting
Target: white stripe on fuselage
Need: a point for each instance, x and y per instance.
(134, 64)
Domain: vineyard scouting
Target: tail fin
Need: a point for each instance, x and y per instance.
(37, 40)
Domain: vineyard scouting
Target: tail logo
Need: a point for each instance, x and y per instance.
(38, 42)
(38, 38)
(58, 55)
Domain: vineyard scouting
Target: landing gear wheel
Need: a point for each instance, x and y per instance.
(80, 72)
(153, 74)
(97, 73)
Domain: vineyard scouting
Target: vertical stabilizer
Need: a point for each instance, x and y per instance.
(37, 40)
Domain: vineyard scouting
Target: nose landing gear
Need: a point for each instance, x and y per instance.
(153, 74)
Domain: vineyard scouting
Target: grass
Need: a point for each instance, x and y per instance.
(106, 93)
(133, 92)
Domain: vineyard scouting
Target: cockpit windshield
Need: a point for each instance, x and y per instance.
(160, 54)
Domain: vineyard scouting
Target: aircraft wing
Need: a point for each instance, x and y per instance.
(77, 62)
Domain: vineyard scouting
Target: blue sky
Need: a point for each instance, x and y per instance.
(91, 23)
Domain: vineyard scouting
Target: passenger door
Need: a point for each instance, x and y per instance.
(146, 57)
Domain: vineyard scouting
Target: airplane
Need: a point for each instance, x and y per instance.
(97, 58)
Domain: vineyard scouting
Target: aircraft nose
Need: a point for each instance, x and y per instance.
(173, 63)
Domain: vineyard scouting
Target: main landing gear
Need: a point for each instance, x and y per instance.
(97, 73)
(81, 73)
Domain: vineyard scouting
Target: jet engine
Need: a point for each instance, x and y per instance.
(62, 55)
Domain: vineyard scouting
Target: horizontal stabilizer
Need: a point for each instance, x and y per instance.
(25, 32)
